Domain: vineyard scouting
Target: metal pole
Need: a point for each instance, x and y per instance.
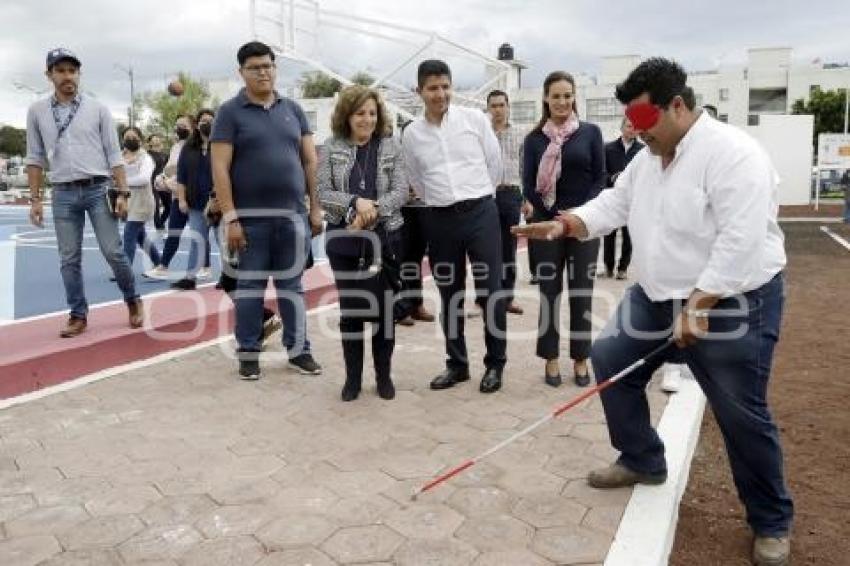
(846, 106)
(132, 98)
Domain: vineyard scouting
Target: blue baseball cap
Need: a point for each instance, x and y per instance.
(61, 54)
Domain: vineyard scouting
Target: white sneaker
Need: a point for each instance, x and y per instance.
(158, 272)
(204, 273)
(671, 378)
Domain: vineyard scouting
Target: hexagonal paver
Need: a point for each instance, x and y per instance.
(502, 532)
(94, 557)
(234, 520)
(402, 491)
(239, 551)
(543, 511)
(450, 552)
(592, 497)
(494, 422)
(101, 532)
(425, 521)
(605, 519)
(412, 465)
(484, 501)
(177, 509)
(238, 491)
(305, 499)
(511, 558)
(47, 521)
(573, 466)
(71, 491)
(12, 506)
(364, 511)
(357, 484)
(482, 474)
(28, 551)
(295, 530)
(297, 557)
(160, 543)
(122, 500)
(362, 544)
(571, 545)
(530, 481)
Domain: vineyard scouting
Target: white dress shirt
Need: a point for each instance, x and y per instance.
(459, 159)
(708, 221)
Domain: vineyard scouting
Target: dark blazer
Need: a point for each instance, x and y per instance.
(582, 165)
(616, 157)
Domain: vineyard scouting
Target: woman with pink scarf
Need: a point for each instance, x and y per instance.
(563, 167)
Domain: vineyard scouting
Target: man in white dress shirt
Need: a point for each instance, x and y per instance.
(708, 252)
(454, 163)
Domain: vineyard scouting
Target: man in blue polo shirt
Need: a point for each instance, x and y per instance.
(74, 135)
(264, 161)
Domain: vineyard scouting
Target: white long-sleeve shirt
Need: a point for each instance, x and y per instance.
(708, 221)
(459, 159)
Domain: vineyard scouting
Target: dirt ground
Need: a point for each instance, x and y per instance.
(810, 400)
(825, 209)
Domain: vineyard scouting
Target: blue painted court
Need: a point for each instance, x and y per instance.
(31, 284)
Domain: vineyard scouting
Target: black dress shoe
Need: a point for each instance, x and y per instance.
(553, 380)
(350, 391)
(492, 381)
(449, 377)
(582, 380)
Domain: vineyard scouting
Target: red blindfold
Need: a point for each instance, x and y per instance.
(643, 115)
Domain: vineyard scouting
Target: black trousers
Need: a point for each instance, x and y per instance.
(468, 229)
(609, 251)
(414, 244)
(579, 260)
(509, 202)
(161, 209)
(353, 328)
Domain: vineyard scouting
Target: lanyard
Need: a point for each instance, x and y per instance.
(62, 126)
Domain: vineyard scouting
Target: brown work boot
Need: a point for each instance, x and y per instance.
(771, 551)
(617, 475)
(73, 327)
(137, 313)
(422, 315)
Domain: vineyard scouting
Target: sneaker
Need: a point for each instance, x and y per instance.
(136, 313)
(621, 275)
(158, 272)
(617, 475)
(184, 284)
(270, 326)
(771, 551)
(249, 370)
(204, 273)
(671, 378)
(305, 364)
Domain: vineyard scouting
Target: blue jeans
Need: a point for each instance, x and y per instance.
(733, 372)
(135, 234)
(277, 248)
(70, 205)
(176, 222)
(199, 232)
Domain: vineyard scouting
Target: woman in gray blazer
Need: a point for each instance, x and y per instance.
(362, 187)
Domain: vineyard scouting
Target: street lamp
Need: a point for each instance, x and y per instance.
(129, 70)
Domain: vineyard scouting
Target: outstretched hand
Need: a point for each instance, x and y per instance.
(548, 230)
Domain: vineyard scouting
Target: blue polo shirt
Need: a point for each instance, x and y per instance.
(266, 171)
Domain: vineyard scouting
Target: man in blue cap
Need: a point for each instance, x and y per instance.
(75, 136)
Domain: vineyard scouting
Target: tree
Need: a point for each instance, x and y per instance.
(167, 108)
(828, 109)
(316, 84)
(13, 141)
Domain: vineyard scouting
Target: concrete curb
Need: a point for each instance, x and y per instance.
(648, 528)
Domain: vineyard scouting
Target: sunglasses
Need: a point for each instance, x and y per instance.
(643, 115)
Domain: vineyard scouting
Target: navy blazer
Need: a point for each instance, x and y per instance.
(616, 157)
(582, 169)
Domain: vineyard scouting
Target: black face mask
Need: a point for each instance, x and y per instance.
(182, 133)
(132, 145)
(205, 129)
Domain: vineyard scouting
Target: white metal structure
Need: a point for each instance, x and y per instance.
(297, 30)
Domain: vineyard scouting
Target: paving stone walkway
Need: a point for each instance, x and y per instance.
(182, 463)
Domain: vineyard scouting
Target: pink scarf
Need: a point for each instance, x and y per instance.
(550, 164)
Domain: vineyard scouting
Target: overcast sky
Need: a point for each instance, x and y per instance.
(161, 37)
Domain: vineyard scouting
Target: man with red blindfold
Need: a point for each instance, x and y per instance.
(708, 256)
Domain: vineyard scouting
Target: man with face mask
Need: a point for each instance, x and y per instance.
(701, 205)
(75, 136)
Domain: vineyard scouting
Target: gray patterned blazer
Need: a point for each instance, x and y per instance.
(336, 159)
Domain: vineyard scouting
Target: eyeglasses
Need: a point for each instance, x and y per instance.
(259, 69)
(643, 115)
